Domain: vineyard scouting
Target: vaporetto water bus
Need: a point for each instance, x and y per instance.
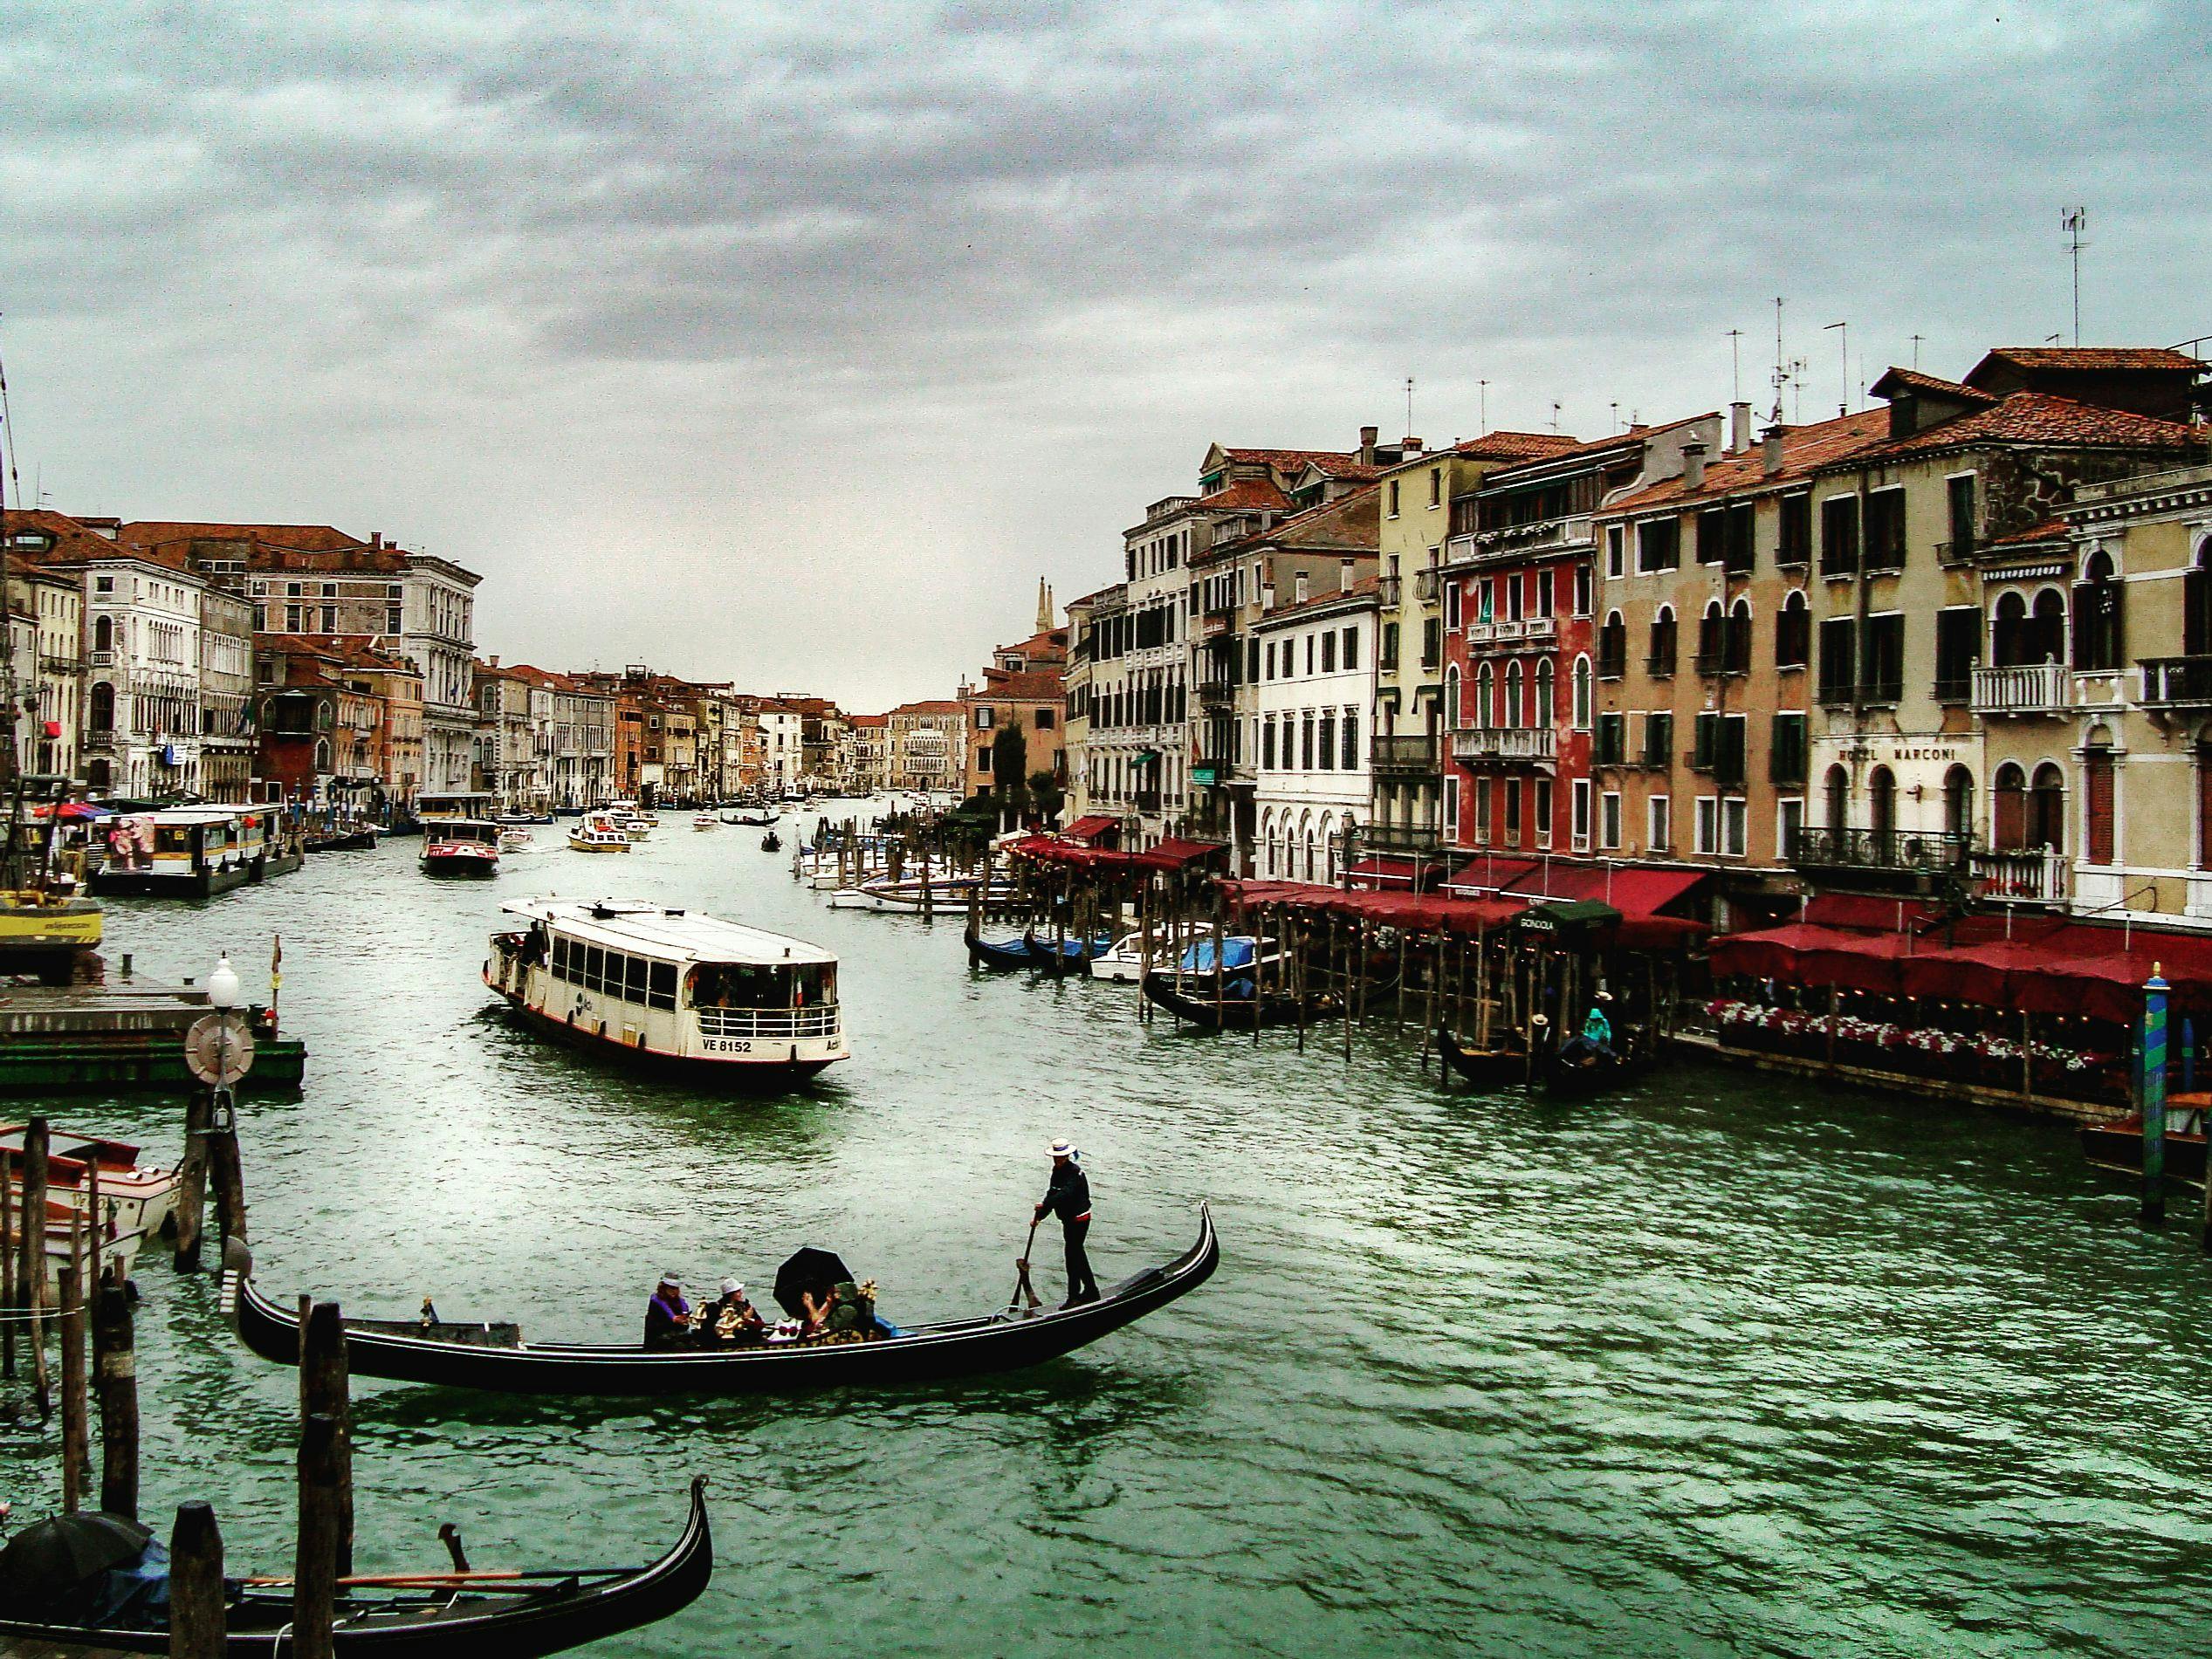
(678, 989)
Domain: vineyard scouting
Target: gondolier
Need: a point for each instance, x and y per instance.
(1069, 1198)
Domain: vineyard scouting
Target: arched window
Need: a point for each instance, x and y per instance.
(101, 707)
(1306, 836)
(1836, 789)
(98, 775)
(2008, 809)
(1736, 657)
(2047, 628)
(322, 754)
(1455, 714)
(1958, 803)
(2100, 829)
(2096, 616)
(2009, 632)
(1663, 641)
(2196, 604)
(2047, 809)
(1709, 628)
(1793, 632)
(103, 634)
(1328, 849)
(1546, 702)
(1612, 646)
(1484, 690)
(1267, 842)
(1881, 814)
(1515, 713)
(1582, 693)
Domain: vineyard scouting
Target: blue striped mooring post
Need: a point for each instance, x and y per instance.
(2154, 990)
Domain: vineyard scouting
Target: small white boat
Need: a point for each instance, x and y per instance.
(135, 1198)
(514, 838)
(947, 893)
(596, 834)
(1124, 964)
(703, 820)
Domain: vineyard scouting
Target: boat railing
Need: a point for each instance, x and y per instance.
(768, 1022)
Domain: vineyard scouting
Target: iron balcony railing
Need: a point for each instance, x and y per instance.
(1853, 849)
(1401, 838)
(775, 1024)
(2043, 688)
(2177, 681)
(2036, 875)
(1216, 691)
(1417, 754)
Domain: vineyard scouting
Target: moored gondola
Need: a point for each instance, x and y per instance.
(516, 1616)
(495, 1357)
(1574, 1079)
(1236, 1010)
(997, 956)
(1070, 956)
(1486, 1068)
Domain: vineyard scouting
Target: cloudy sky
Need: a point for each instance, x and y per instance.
(793, 344)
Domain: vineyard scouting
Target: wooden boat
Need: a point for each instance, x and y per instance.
(2118, 1145)
(515, 1616)
(119, 1247)
(752, 821)
(460, 847)
(677, 990)
(1564, 1077)
(1486, 1068)
(1072, 956)
(134, 1197)
(495, 1357)
(771, 843)
(998, 955)
(1237, 1011)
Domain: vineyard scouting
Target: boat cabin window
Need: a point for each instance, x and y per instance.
(614, 973)
(744, 985)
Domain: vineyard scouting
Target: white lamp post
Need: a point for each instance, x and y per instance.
(223, 986)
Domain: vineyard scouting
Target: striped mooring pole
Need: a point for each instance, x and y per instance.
(2154, 990)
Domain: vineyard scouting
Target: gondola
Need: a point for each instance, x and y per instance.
(515, 1616)
(1073, 955)
(1486, 1068)
(495, 1357)
(2118, 1145)
(1236, 1012)
(771, 842)
(997, 956)
(361, 840)
(1564, 1077)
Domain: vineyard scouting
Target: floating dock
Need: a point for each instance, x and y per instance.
(125, 1033)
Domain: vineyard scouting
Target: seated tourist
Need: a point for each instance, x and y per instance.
(814, 1311)
(729, 1320)
(668, 1316)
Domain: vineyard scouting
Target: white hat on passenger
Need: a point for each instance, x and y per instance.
(731, 1287)
(1063, 1149)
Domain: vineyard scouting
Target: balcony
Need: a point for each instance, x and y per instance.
(1425, 586)
(1513, 634)
(100, 659)
(1522, 744)
(1878, 853)
(1416, 757)
(2034, 875)
(1218, 692)
(1520, 538)
(1407, 839)
(2178, 681)
(1387, 592)
(2044, 688)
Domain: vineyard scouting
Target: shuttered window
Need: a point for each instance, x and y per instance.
(2098, 774)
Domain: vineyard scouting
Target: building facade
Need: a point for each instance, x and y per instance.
(1315, 707)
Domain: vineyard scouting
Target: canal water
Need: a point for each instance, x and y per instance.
(1731, 1365)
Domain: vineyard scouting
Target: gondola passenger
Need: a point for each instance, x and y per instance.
(729, 1320)
(668, 1316)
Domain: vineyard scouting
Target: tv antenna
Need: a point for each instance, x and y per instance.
(1409, 406)
(2073, 222)
(1555, 415)
(1736, 365)
(1844, 336)
(1482, 405)
(1781, 365)
(1917, 339)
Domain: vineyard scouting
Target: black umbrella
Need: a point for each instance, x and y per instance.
(809, 1269)
(49, 1558)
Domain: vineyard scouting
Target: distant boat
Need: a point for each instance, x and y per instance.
(460, 847)
(596, 834)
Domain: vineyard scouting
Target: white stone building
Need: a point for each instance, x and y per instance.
(1315, 703)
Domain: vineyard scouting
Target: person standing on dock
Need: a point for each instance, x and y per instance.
(1069, 1198)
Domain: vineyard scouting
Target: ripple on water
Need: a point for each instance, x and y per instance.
(1727, 1366)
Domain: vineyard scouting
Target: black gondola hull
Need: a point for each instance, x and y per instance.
(471, 1627)
(1491, 1068)
(1230, 1013)
(937, 1353)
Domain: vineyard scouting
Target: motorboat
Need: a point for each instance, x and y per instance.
(514, 838)
(704, 821)
(678, 990)
(460, 847)
(597, 835)
(133, 1196)
(183, 852)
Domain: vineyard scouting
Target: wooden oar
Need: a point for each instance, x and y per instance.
(1021, 1285)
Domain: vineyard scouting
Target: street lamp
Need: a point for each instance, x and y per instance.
(223, 986)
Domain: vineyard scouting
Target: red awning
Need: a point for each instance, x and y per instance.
(1390, 875)
(1414, 912)
(1090, 828)
(1488, 874)
(1631, 891)
(1867, 912)
(1174, 855)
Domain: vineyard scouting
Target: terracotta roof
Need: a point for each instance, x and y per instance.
(75, 545)
(2041, 418)
(1245, 494)
(1026, 685)
(1284, 460)
(1352, 522)
(1344, 466)
(1516, 446)
(318, 539)
(2090, 359)
(1804, 449)
(1365, 587)
(939, 705)
(867, 722)
(347, 648)
(1911, 380)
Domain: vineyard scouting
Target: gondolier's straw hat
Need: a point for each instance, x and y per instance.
(1062, 1150)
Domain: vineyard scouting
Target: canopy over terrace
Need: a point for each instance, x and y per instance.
(1167, 857)
(1411, 912)
(2072, 968)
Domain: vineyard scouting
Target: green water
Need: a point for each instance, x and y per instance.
(1729, 1366)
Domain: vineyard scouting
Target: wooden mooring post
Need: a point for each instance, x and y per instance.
(223, 1170)
(199, 1622)
(8, 1265)
(2154, 990)
(192, 1183)
(314, 1573)
(76, 1459)
(323, 1392)
(30, 1256)
(115, 1376)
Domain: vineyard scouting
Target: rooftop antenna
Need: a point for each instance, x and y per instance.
(1555, 415)
(1615, 405)
(1798, 369)
(1409, 406)
(1781, 365)
(1736, 365)
(1482, 405)
(1917, 339)
(1844, 337)
(2073, 223)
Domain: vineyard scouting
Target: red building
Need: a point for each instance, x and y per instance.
(1524, 650)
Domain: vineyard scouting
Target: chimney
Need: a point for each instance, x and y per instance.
(1343, 576)
(1694, 465)
(1770, 449)
(1367, 436)
(1044, 606)
(376, 540)
(1739, 427)
(492, 662)
(1411, 446)
(1301, 589)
